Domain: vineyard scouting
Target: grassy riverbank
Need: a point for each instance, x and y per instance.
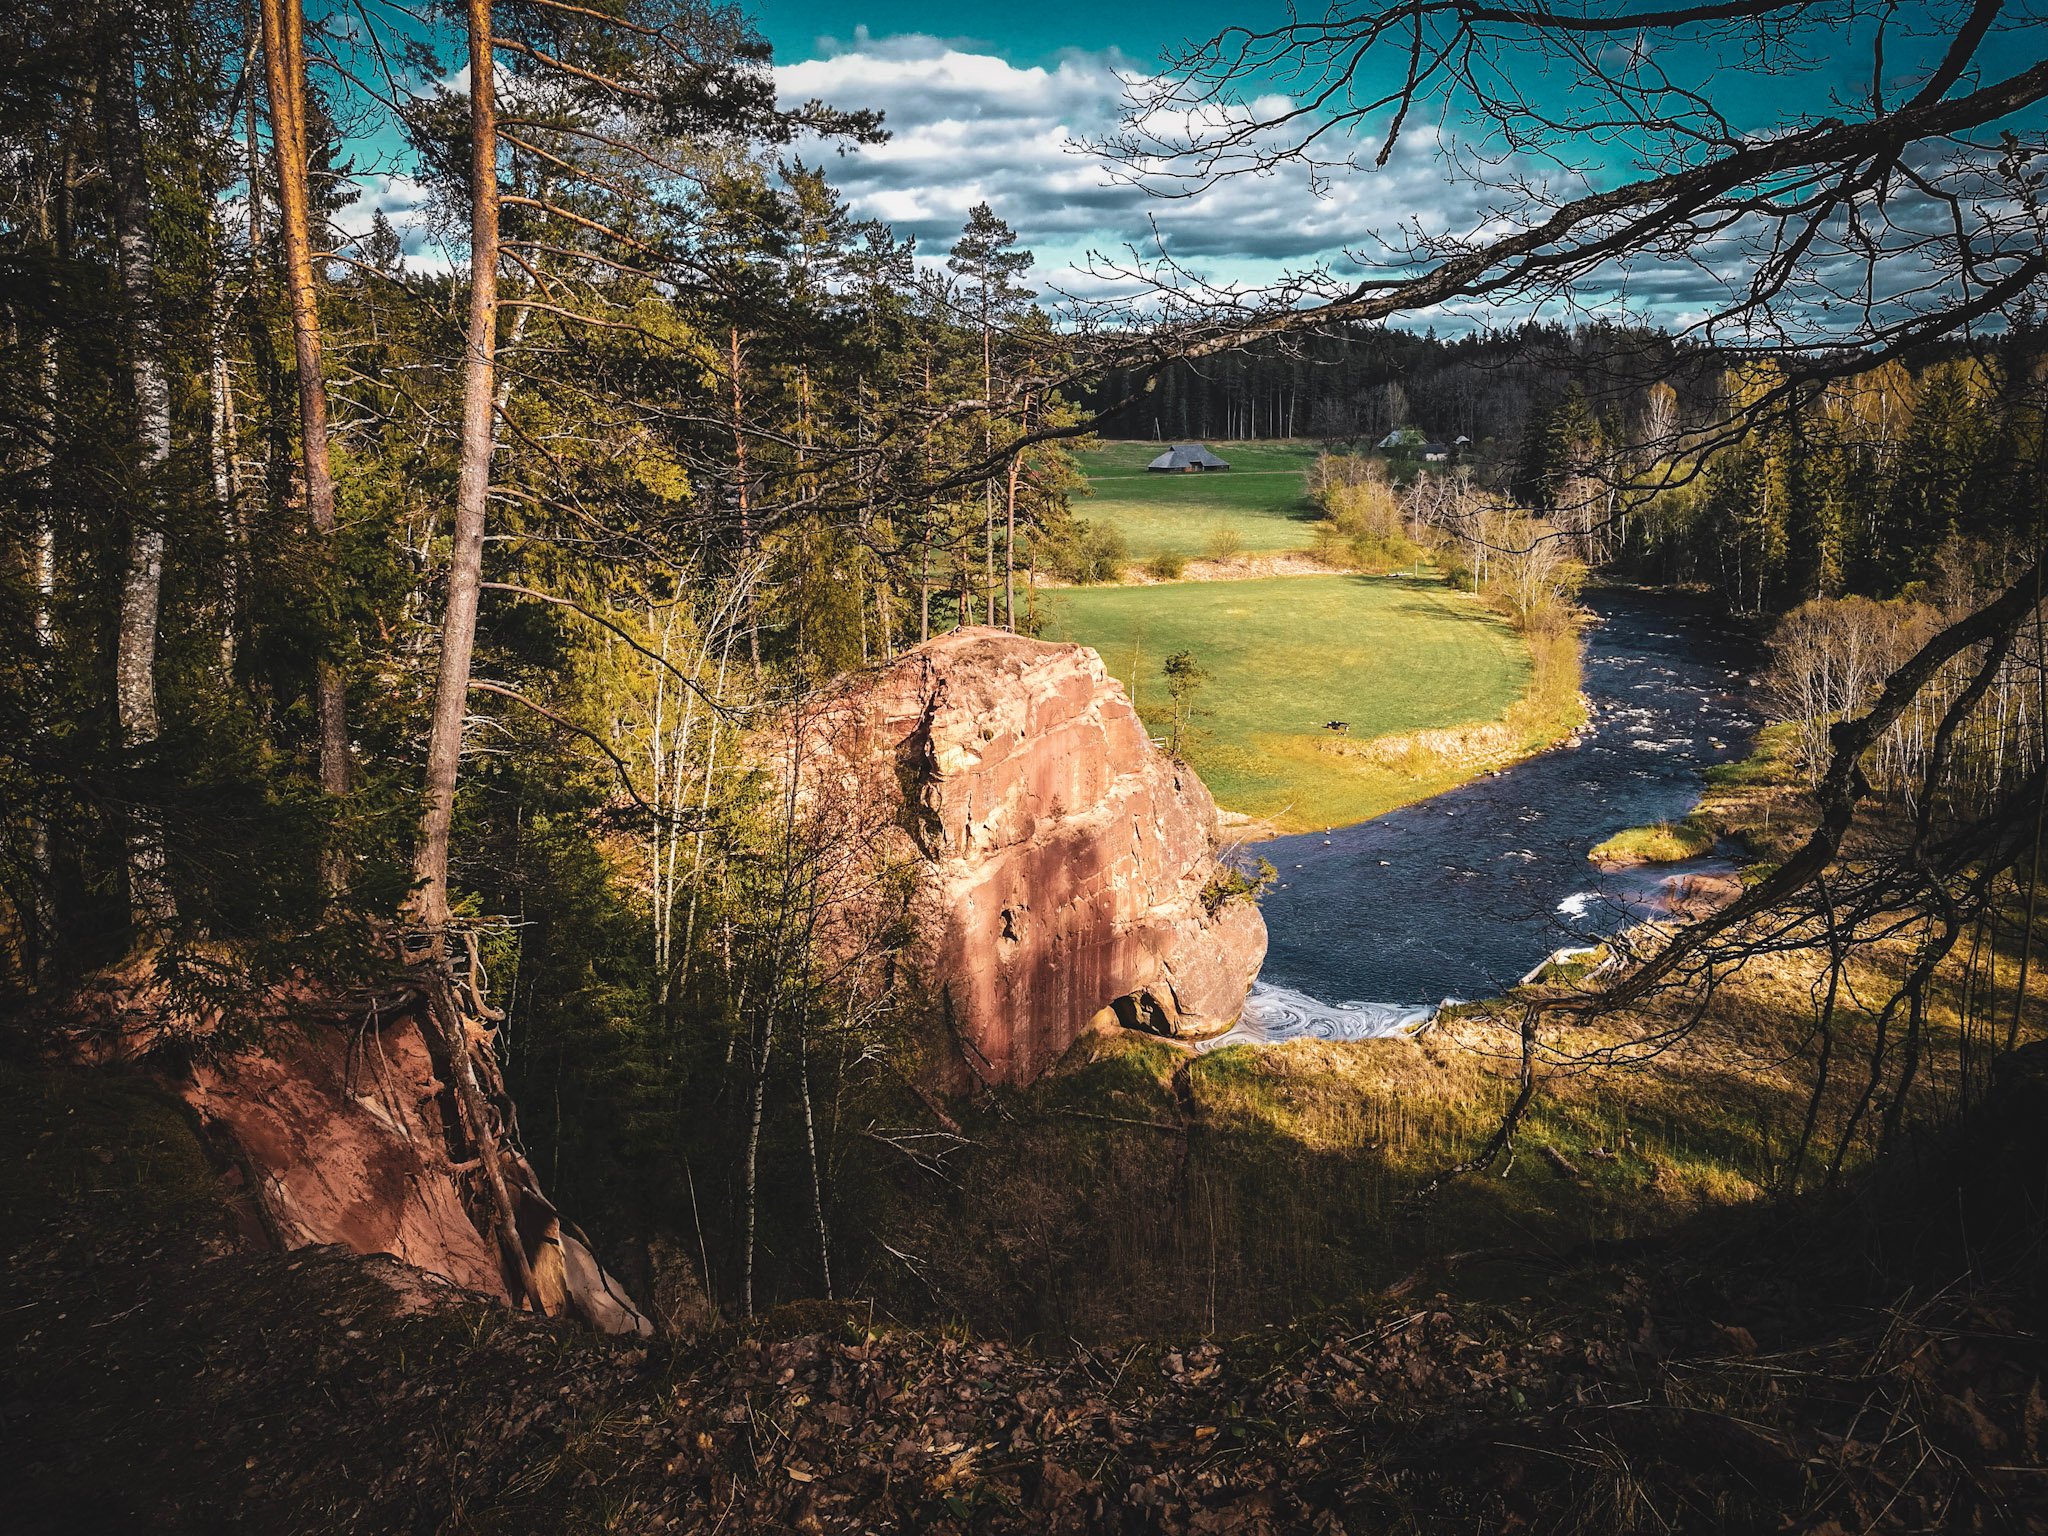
(1661, 842)
(1287, 655)
(1727, 809)
(1432, 684)
(1261, 502)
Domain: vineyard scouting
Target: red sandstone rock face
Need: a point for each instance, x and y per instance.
(346, 1151)
(1060, 857)
(338, 1121)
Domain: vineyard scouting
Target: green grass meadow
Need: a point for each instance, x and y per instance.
(1285, 654)
(1263, 496)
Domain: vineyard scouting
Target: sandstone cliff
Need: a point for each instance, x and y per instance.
(1061, 864)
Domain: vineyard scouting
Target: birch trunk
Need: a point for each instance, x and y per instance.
(741, 472)
(227, 491)
(142, 577)
(45, 407)
(465, 570)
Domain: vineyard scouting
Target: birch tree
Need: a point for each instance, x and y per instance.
(477, 440)
(142, 576)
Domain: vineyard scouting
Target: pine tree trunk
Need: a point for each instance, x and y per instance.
(465, 570)
(924, 575)
(285, 70)
(135, 651)
(988, 442)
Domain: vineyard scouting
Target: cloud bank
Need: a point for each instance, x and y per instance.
(970, 127)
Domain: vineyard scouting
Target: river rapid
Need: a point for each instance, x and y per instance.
(1461, 896)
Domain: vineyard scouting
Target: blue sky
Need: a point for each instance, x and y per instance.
(987, 104)
(1023, 34)
(984, 102)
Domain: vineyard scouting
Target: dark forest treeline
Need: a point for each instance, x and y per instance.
(1358, 383)
(1674, 462)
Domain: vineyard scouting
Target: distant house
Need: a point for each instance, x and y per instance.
(1410, 440)
(1186, 458)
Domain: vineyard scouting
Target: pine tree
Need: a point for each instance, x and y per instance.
(988, 263)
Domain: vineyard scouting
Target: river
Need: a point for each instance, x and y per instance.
(1460, 896)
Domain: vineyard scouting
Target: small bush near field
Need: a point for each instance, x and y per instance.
(1225, 544)
(1087, 553)
(1166, 565)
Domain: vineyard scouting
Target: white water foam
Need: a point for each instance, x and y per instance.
(1274, 1013)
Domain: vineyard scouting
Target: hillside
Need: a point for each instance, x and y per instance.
(1813, 1366)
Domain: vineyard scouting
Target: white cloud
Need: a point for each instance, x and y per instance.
(405, 202)
(969, 127)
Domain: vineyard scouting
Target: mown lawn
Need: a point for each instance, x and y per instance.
(1262, 497)
(1285, 655)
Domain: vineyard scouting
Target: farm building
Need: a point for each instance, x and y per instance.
(1184, 458)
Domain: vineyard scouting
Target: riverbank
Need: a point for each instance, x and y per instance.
(1329, 700)
(1728, 812)
(1460, 894)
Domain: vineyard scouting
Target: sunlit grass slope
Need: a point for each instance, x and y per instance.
(1287, 654)
(1262, 497)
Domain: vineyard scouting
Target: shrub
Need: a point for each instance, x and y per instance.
(1167, 565)
(1087, 553)
(1230, 883)
(1343, 542)
(1367, 506)
(1225, 544)
(1380, 553)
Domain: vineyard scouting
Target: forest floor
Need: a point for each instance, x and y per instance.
(1862, 1360)
(1262, 499)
